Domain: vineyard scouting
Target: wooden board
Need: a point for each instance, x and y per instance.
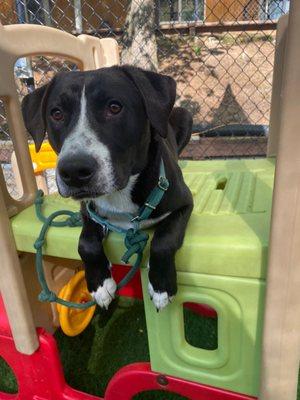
(7, 12)
(229, 10)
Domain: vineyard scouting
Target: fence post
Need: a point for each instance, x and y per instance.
(78, 16)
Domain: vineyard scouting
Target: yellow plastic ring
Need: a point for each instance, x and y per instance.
(74, 320)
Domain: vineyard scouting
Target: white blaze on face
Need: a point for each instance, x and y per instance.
(83, 139)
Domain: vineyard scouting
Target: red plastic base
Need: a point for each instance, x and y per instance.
(4, 323)
(40, 375)
(133, 287)
(136, 378)
(201, 309)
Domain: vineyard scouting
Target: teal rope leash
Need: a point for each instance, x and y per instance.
(135, 239)
(73, 219)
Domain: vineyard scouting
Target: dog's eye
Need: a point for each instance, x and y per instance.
(114, 107)
(57, 114)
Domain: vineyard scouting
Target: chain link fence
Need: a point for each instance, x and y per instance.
(220, 52)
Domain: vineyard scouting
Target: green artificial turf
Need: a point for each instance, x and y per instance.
(8, 381)
(114, 339)
(117, 338)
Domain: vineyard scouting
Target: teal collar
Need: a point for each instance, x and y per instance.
(146, 210)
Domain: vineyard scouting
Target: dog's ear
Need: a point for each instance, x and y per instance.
(33, 110)
(158, 92)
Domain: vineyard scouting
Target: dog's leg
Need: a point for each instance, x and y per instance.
(167, 239)
(97, 267)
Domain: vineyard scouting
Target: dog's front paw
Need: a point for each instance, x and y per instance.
(105, 293)
(160, 299)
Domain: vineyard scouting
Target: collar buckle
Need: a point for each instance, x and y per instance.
(136, 218)
(150, 206)
(163, 183)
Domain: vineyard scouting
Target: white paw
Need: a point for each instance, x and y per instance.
(160, 300)
(105, 293)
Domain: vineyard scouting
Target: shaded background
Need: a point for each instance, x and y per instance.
(220, 52)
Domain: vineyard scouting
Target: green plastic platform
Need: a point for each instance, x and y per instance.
(222, 263)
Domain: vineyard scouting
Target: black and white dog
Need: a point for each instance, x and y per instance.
(111, 128)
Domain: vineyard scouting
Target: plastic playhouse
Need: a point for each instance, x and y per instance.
(240, 256)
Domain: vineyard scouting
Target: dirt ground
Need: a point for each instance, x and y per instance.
(224, 78)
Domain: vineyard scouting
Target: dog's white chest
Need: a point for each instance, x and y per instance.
(118, 207)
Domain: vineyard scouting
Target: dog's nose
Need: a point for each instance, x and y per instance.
(77, 170)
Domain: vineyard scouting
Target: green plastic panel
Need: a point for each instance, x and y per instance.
(227, 233)
(235, 364)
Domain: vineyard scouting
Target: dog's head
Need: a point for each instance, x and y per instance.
(100, 124)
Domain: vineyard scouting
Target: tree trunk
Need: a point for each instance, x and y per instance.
(140, 48)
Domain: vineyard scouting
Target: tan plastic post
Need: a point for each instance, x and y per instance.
(281, 339)
(13, 289)
(17, 41)
(277, 86)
